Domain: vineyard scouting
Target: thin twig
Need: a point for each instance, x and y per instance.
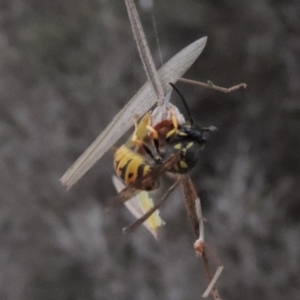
(211, 285)
(144, 50)
(200, 218)
(211, 86)
(212, 279)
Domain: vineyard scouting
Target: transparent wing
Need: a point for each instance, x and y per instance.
(139, 205)
(143, 100)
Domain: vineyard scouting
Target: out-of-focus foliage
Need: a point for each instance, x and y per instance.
(67, 67)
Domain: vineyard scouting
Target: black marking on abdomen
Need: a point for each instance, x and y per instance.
(122, 170)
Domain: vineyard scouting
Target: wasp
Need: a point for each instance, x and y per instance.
(163, 142)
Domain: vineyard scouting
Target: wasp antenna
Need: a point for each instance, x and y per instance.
(184, 101)
(209, 128)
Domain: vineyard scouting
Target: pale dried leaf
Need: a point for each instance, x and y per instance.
(139, 205)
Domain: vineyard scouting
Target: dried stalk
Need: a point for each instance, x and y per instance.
(193, 207)
(211, 86)
(144, 51)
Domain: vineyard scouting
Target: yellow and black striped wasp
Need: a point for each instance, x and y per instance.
(163, 142)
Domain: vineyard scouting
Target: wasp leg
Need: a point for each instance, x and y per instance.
(154, 135)
(141, 220)
(155, 138)
(157, 159)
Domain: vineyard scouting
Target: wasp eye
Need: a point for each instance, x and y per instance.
(201, 141)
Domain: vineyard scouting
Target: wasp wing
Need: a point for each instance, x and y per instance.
(153, 209)
(143, 100)
(139, 205)
(132, 189)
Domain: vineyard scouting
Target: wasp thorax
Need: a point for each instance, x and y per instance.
(192, 133)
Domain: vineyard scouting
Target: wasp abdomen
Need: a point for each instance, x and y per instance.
(131, 166)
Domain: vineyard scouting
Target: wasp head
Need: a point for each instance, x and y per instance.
(195, 133)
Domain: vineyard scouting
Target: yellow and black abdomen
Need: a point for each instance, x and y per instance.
(131, 166)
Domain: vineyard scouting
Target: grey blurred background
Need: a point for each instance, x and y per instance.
(67, 67)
